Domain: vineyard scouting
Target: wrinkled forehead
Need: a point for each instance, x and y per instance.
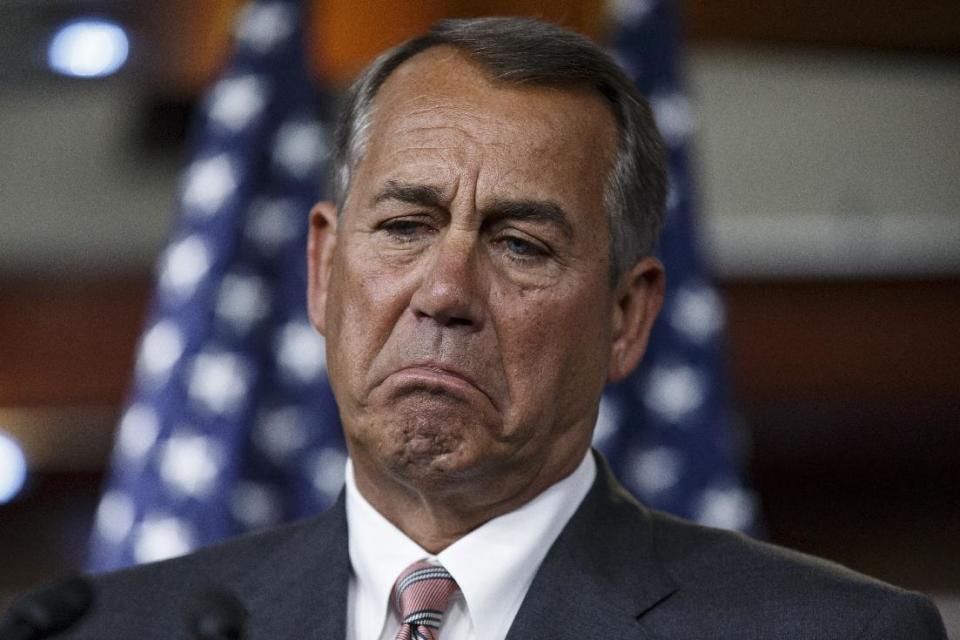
(440, 111)
(445, 77)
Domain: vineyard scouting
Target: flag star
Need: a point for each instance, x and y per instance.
(218, 381)
(280, 433)
(674, 116)
(138, 432)
(608, 420)
(726, 508)
(235, 102)
(299, 147)
(626, 11)
(274, 222)
(184, 266)
(326, 470)
(655, 470)
(255, 505)
(300, 351)
(208, 184)
(160, 350)
(697, 313)
(264, 25)
(674, 391)
(242, 301)
(190, 464)
(115, 516)
(162, 537)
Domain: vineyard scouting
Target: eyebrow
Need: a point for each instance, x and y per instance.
(531, 210)
(424, 195)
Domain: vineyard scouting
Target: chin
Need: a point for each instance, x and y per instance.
(429, 443)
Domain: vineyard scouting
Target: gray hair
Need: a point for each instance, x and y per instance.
(528, 51)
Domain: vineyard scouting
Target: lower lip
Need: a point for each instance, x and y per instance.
(433, 378)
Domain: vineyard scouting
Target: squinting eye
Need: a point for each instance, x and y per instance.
(523, 248)
(405, 228)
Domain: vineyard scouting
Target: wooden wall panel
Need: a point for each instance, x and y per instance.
(927, 26)
(822, 370)
(68, 343)
(845, 341)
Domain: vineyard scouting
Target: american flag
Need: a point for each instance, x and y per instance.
(231, 425)
(671, 430)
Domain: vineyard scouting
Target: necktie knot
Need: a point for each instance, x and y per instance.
(421, 594)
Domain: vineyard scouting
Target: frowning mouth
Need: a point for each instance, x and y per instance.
(436, 379)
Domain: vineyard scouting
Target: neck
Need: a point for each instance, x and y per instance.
(435, 515)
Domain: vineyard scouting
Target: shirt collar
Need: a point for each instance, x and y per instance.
(379, 551)
(493, 564)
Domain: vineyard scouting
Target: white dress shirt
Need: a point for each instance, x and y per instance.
(494, 564)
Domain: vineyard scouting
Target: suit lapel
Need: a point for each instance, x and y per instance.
(299, 590)
(600, 576)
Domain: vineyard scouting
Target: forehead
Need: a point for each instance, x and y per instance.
(440, 114)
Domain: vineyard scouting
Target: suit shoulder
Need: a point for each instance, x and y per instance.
(691, 550)
(154, 600)
(221, 563)
(783, 593)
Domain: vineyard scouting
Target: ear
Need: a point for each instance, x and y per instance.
(637, 301)
(320, 246)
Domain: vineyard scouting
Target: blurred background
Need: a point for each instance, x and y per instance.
(825, 141)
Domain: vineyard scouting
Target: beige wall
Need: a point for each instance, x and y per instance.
(809, 163)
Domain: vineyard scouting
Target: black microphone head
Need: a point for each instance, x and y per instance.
(52, 608)
(217, 614)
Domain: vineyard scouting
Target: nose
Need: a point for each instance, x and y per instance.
(450, 289)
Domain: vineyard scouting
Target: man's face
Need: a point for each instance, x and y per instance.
(464, 293)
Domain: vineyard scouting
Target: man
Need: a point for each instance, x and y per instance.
(486, 269)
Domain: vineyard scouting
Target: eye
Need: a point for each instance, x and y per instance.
(522, 249)
(406, 229)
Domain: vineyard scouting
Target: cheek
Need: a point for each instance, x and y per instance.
(363, 307)
(553, 345)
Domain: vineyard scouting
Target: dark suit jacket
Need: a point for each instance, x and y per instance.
(618, 570)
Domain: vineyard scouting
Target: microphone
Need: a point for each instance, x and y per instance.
(48, 610)
(217, 615)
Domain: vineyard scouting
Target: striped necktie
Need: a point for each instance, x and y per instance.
(421, 594)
